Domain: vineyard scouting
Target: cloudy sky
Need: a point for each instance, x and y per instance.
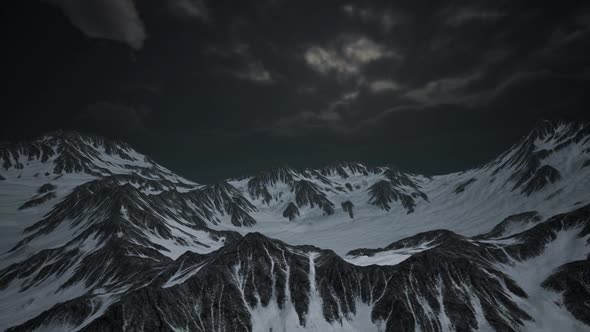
(220, 88)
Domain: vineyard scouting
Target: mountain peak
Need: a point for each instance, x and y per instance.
(529, 165)
(346, 168)
(547, 129)
(65, 152)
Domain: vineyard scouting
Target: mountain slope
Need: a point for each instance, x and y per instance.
(98, 237)
(455, 283)
(389, 204)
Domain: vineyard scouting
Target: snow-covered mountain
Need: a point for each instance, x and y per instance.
(97, 237)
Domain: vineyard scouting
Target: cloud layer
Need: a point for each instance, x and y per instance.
(381, 81)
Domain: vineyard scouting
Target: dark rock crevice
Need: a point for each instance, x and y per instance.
(463, 185)
(383, 193)
(310, 194)
(347, 206)
(291, 212)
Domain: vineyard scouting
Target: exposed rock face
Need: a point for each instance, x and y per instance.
(525, 160)
(227, 199)
(44, 193)
(383, 193)
(532, 242)
(573, 281)
(46, 188)
(70, 152)
(543, 176)
(308, 193)
(461, 187)
(432, 239)
(400, 187)
(399, 179)
(105, 209)
(258, 185)
(513, 225)
(316, 175)
(10, 153)
(347, 206)
(38, 200)
(291, 212)
(346, 169)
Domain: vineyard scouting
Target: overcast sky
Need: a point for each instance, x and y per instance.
(220, 88)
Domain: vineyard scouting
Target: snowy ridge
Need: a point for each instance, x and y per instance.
(457, 283)
(388, 204)
(61, 153)
(530, 161)
(99, 237)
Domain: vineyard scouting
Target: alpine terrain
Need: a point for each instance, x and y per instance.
(98, 237)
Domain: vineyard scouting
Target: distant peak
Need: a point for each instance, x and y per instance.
(346, 168)
(551, 127)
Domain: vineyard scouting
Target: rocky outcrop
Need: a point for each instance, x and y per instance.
(44, 193)
(573, 281)
(10, 153)
(345, 169)
(399, 178)
(347, 206)
(524, 161)
(383, 193)
(309, 194)
(258, 185)
(46, 188)
(512, 225)
(71, 152)
(463, 185)
(226, 199)
(543, 176)
(291, 212)
(38, 200)
(106, 207)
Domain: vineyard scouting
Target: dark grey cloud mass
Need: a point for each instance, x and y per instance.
(220, 88)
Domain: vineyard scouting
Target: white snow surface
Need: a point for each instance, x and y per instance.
(387, 257)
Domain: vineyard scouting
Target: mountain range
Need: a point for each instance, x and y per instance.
(96, 236)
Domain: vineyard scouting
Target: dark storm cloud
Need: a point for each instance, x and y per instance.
(119, 20)
(247, 66)
(465, 15)
(384, 18)
(274, 81)
(109, 19)
(189, 9)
